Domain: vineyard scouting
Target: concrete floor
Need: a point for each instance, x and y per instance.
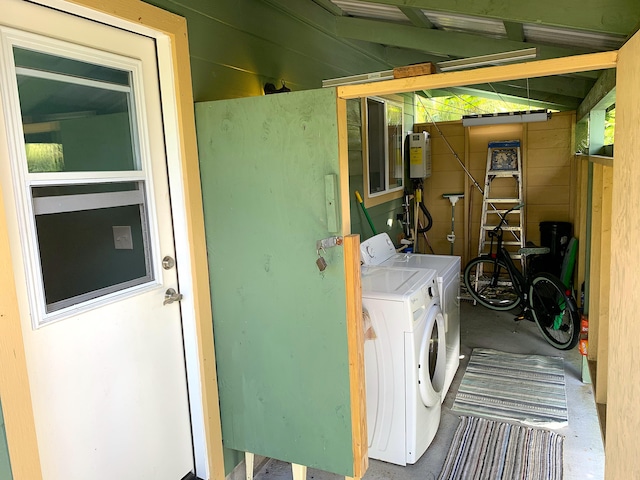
(483, 328)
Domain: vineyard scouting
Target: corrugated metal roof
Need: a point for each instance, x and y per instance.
(372, 10)
(576, 38)
(488, 27)
(466, 23)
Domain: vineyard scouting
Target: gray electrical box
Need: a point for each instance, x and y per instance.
(419, 155)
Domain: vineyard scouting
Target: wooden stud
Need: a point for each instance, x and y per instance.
(605, 285)
(541, 68)
(248, 463)
(299, 471)
(595, 264)
(355, 341)
(583, 182)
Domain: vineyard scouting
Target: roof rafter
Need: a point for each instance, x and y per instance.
(619, 17)
(437, 42)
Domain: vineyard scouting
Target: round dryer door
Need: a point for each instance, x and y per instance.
(432, 361)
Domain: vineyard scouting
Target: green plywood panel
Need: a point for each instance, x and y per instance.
(279, 323)
(5, 466)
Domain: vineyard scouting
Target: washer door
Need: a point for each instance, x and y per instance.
(432, 360)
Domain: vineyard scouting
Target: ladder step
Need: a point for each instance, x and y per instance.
(506, 229)
(503, 173)
(502, 212)
(501, 200)
(515, 256)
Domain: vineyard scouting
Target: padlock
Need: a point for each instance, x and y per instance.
(321, 263)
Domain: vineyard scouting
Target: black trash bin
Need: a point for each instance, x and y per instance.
(556, 236)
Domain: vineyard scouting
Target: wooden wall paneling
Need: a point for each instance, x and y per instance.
(605, 286)
(623, 391)
(447, 177)
(595, 276)
(573, 207)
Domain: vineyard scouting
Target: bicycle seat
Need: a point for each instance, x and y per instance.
(534, 250)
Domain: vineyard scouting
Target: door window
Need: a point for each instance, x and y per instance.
(82, 175)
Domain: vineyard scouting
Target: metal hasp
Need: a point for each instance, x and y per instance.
(322, 245)
(328, 242)
(171, 296)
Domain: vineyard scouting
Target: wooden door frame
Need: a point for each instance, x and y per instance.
(170, 34)
(542, 68)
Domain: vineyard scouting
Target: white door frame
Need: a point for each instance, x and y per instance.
(169, 33)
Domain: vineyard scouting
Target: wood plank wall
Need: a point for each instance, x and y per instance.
(549, 182)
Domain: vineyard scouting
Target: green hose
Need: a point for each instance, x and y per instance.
(366, 214)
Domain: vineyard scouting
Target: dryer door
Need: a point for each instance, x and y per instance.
(432, 360)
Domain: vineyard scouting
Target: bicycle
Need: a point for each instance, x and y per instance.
(493, 280)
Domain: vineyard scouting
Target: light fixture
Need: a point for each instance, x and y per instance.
(484, 60)
(525, 116)
(356, 79)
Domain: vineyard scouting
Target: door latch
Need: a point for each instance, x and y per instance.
(171, 296)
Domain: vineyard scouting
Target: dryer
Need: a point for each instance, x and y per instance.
(379, 250)
(404, 361)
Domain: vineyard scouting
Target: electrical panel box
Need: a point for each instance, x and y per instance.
(419, 155)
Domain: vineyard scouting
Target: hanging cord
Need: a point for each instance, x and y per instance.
(466, 170)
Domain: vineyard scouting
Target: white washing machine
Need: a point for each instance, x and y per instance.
(379, 250)
(404, 361)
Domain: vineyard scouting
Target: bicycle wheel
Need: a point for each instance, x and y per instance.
(554, 311)
(489, 282)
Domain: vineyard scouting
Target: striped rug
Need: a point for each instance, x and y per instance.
(507, 386)
(485, 449)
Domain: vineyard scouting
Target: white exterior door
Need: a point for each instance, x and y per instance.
(84, 179)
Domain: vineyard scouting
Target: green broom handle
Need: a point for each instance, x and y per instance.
(366, 214)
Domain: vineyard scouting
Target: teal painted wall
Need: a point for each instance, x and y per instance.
(5, 466)
(279, 323)
(237, 46)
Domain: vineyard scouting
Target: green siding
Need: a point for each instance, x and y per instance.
(5, 466)
(236, 46)
(279, 323)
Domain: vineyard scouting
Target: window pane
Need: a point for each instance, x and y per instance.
(76, 116)
(67, 66)
(376, 141)
(87, 252)
(396, 137)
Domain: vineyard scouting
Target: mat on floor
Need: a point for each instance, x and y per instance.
(484, 449)
(508, 386)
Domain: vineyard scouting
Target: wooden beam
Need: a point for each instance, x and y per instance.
(595, 264)
(605, 285)
(416, 16)
(581, 227)
(355, 340)
(541, 68)
(438, 42)
(620, 18)
(601, 96)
